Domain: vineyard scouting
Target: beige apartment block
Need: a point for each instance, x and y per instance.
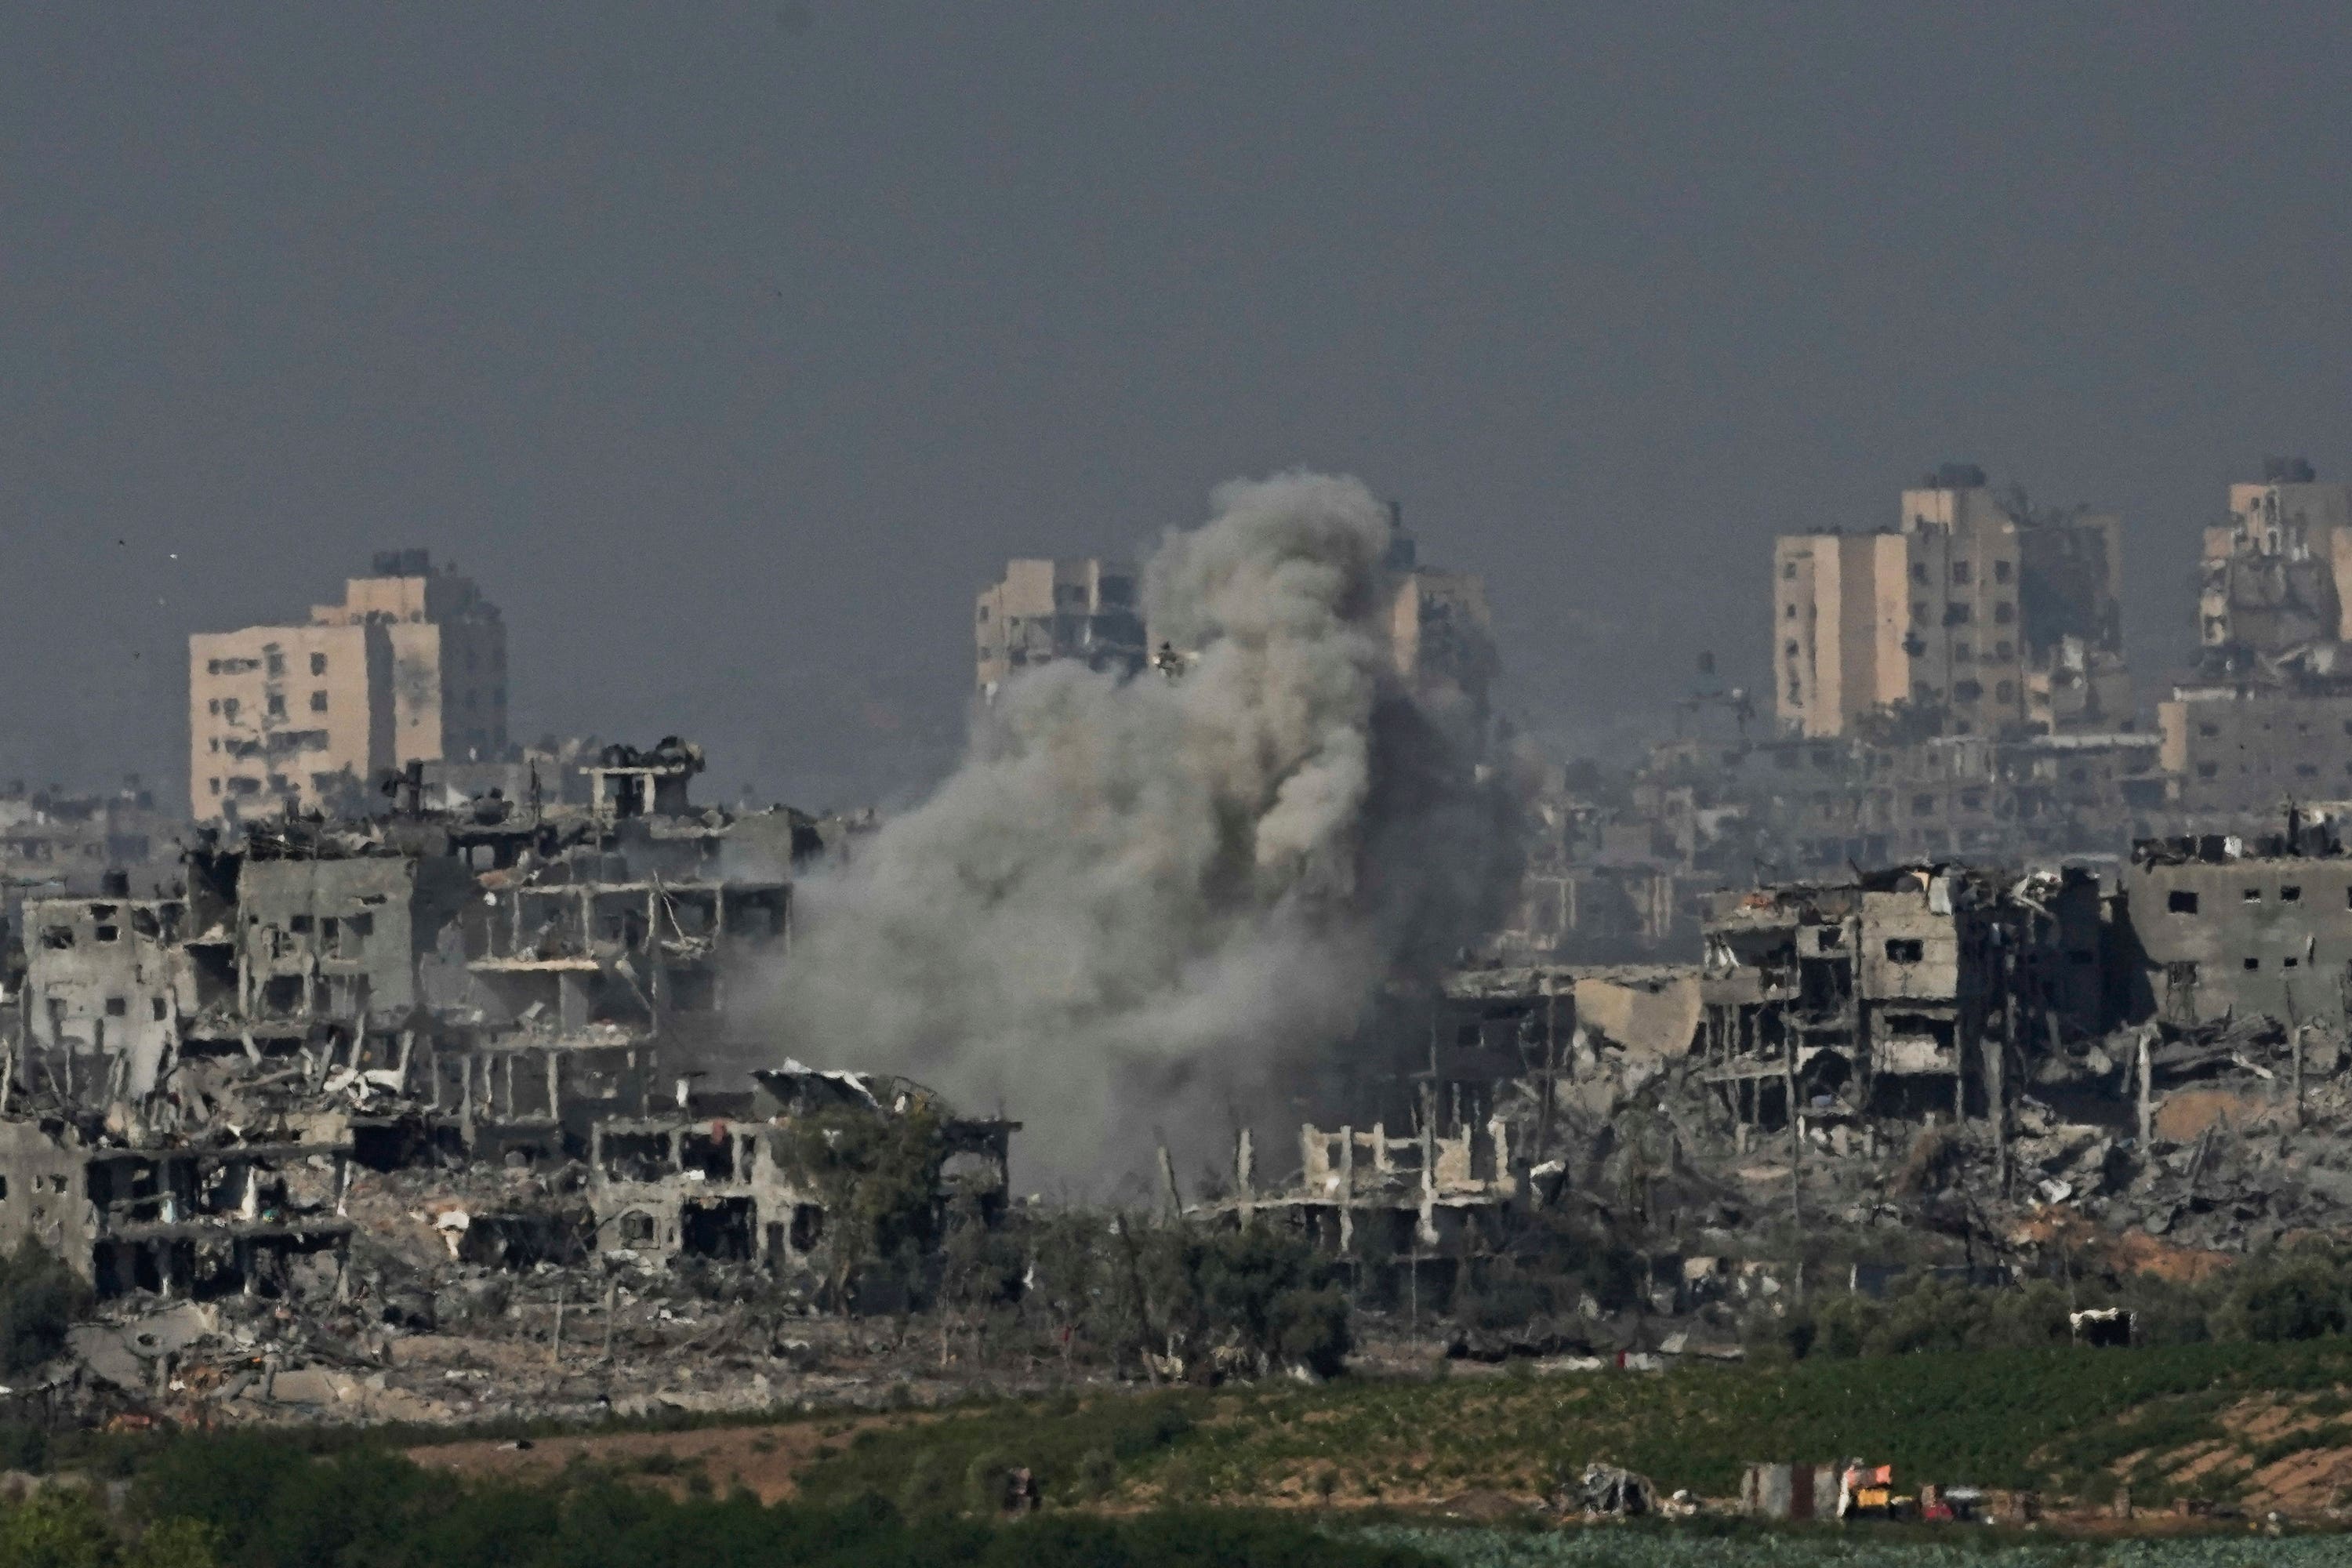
(409, 667)
(2278, 576)
(1044, 610)
(1975, 611)
(1840, 613)
(1440, 636)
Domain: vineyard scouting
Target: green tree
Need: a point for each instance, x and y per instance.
(39, 1299)
(59, 1527)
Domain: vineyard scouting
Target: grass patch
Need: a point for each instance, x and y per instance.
(2054, 1420)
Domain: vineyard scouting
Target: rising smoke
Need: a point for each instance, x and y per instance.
(1142, 910)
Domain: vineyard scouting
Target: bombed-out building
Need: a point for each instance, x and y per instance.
(758, 1186)
(1915, 987)
(496, 982)
(2225, 926)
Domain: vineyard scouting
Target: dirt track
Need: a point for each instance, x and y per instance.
(765, 1460)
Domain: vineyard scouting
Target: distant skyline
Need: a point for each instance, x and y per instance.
(732, 349)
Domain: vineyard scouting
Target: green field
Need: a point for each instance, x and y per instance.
(2068, 1423)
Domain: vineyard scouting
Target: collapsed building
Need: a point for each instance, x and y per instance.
(746, 1189)
(185, 1080)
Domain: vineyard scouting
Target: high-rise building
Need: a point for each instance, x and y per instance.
(2266, 716)
(1979, 614)
(412, 665)
(1440, 634)
(2277, 578)
(1045, 610)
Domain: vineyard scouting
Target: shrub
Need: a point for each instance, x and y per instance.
(39, 1299)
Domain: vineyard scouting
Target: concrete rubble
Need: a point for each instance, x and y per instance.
(444, 1113)
(1971, 1073)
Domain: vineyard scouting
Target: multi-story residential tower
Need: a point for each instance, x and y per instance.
(412, 665)
(1045, 610)
(1980, 614)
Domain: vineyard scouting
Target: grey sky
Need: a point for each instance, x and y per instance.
(732, 348)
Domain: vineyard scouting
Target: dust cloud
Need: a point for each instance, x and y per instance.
(1149, 908)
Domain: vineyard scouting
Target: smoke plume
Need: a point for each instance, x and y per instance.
(1142, 907)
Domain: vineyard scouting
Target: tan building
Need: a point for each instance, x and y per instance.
(1842, 610)
(1976, 612)
(1045, 610)
(2277, 577)
(1441, 636)
(411, 666)
(2249, 754)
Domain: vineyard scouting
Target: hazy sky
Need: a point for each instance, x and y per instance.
(732, 348)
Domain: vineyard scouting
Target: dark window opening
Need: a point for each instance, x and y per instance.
(1906, 949)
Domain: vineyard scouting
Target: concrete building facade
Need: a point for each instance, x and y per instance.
(1977, 611)
(2278, 575)
(1043, 610)
(409, 667)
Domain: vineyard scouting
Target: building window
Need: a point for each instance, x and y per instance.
(1789, 612)
(2004, 612)
(2004, 650)
(107, 933)
(214, 707)
(2209, 731)
(2000, 570)
(118, 1006)
(1959, 571)
(318, 664)
(277, 705)
(1918, 570)
(2289, 962)
(317, 702)
(215, 786)
(1966, 691)
(2254, 963)
(1956, 614)
(2180, 902)
(1923, 805)
(2180, 972)
(276, 664)
(1906, 949)
(2005, 693)
(157, 1003)
(228, 709)
(2208, 770)
(2253, 895)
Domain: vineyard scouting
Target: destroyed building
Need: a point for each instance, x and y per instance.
(171, 1219)
(2226, 927)
(1043, 610)
(494, 983)
(741, 1189)
(1915, 988)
